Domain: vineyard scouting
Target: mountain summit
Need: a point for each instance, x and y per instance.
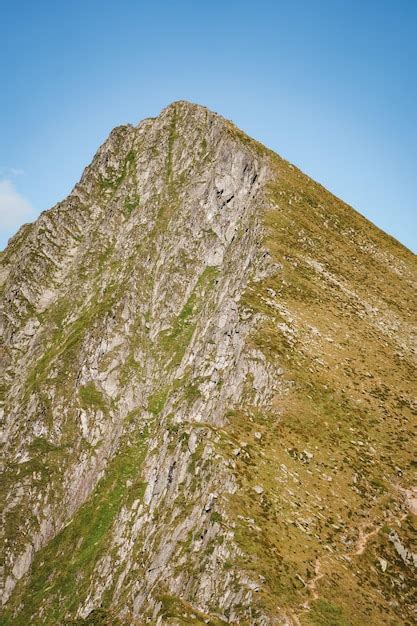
(206, 389)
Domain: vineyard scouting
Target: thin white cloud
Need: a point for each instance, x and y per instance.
(10, 172)
(16, 171)
(14, 209)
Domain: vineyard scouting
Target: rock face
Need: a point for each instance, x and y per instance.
(207, 394)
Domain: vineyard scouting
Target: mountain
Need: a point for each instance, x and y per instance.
(207, 392)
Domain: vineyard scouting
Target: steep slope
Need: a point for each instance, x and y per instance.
(207, 393)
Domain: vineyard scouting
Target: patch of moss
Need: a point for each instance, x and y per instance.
(40, 445)
(131, 203)
(157, 400)
(91, 398)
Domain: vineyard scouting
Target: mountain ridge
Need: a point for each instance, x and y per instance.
(189, 356)
(195, 105)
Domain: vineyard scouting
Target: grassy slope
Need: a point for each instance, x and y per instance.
(337, 447)
(60, 575)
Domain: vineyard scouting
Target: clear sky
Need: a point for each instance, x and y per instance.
(330, 85)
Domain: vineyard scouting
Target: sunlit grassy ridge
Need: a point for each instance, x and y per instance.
(329, 452)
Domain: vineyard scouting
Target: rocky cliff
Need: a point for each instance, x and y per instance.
(207, 377)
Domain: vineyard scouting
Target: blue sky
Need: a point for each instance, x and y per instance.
(330, 85)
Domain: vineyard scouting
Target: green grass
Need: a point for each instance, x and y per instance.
(98, 617)
(174, 608)
(325, 613)
(131, 203)
(175, 341)
(40, 445)
(157, 400)
(332, 407)
(92, 398)
(65, 341)
(114, 179)
(61, 571)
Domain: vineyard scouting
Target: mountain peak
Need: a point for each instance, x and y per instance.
(206, 386)
(185, 108)
(186, 105)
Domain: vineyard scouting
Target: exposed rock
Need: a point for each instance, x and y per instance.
(198, 319)
(408, 557)
(384, 564)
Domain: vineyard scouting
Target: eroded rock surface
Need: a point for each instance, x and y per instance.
(207, 375)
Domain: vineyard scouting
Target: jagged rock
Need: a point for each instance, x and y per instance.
(196, 319)
(384, 564)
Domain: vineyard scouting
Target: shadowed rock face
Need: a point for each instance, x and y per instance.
(207, 394)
